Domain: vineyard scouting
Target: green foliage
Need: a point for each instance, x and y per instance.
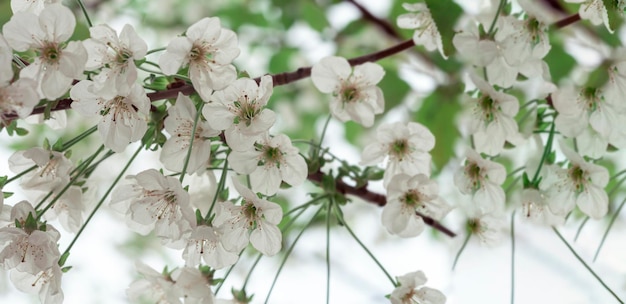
(445, 14)
(559, 61)
(438, 113)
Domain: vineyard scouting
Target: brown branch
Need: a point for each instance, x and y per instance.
(383, 24)
(377, 199)
(567, 21)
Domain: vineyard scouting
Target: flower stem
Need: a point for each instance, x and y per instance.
(220, 187)
(458, 254)
(191, 140)
(495, 18)
(513, 257)
(546, 152)
(329, 207)
(82, 8)
(106, 194)
(586, 266)
(608, 228)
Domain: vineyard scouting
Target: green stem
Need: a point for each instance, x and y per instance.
(580, 228)
(106, 194)
(586, 266)
(343, 222)
(220, 188)
(155, 50)
(608, 228)
(513, 257)
(546, 152)
(191, 140)
(458, 254)
(495, 18)
(82, 8)
(288, 253)
(328, 211)
(84, 167)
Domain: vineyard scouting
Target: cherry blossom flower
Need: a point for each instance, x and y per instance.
(208, 50)
(240, 111)
(580, 109)
(46, 283)
(492, 120)
(51, 172)
(426, 32)
(6, 58)
(32, 6)
(409, 290)
(123, 114)
(482, 179)
(116, 55)
(407, 146)
(30, 247)
(594, 11)
(68, 209)
(156, 203)
(17, 97)
(536, 208)
(192, 285)
(206, 242)
(256, 214)
(582, 185)
(269, 163)
(154, 287)
(487, 226)
(406, 196)
(355, 94)
(57, 64)
(179, 123)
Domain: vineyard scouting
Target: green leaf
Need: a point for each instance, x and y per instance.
(438, 113)
(613, 11)
(445, 14)
(558, 60)
(314, 15)
(280, 61)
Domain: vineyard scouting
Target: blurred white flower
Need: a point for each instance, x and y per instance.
(407, 146)
(407, 195)
(32, 6)
(52, 170)
(355, 94)
(482, 179)
(411, 290)
(205, 243)
(492, 120)
(426, 32)
(582, 185)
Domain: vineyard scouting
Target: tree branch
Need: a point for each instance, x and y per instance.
(377, 199)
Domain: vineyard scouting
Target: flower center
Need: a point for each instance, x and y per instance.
(577, 175)
(349, 94)
(399, 148)
(472, 171)
(487, 105)
(50, 53)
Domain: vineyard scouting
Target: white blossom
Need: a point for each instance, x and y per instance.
(123, 114)
(57, 64)
(32, 6)
(192, 285)
(426, 32)
(407, 146)
(487, 226)
(492, 120)
(240, 111)
(205, 242)
(46, 283)
(256, 214)
(179, 123)
(536, 208)
(406, 197)
(154, 287)
(271, 162)
(68, 209)
(51, 173)
(355, 94)
(582, 185)
(411, 290)
(156, 203)
(30, 247)
(116, 55)
(594, 11)
(208, 50)
(483, 180)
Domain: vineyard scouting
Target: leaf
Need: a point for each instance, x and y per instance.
(438, 113)
(559, 61)
(445, 13)
(314, 16)
(614, 13)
